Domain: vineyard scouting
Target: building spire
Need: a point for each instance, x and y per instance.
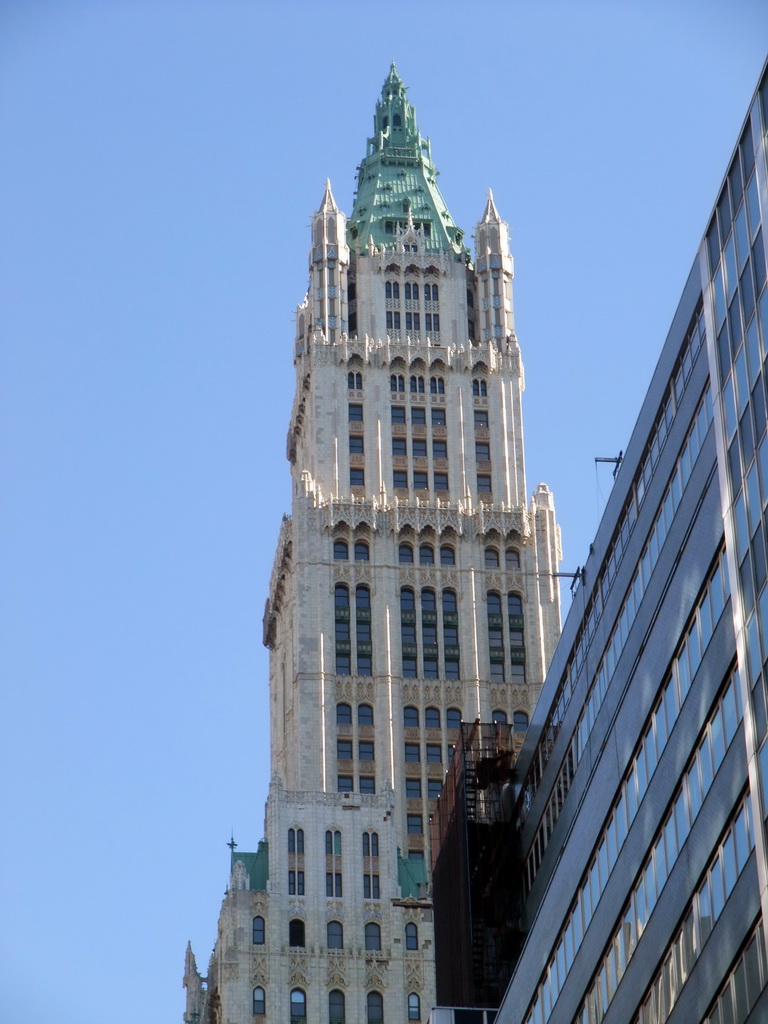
(491, 213)
(328, 203)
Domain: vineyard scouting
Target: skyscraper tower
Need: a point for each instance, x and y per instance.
(412, 588)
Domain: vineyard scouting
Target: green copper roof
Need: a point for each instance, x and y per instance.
(411, 876)
(397, 181)
(256, 864)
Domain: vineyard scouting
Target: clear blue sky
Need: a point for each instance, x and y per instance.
(159, 165)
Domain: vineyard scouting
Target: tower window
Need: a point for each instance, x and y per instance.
(335, 935)
(361, 551)
(356, 477)
(365, 750)
(398, 414)
(449, 601)
(412, 753)
(259, 1002)
(364, 714)
(414, 1007)
(439, 450)
(396, 382)
(258, 931)
(355, 381)
(482, 451)
(341, 596)
(343, 714)
(355, 413)
(344, 750)
(337, 1013)
(413, 789)
(419, 448)
(407, 599)
(405, 554)
(296, 935)
(434, 754)
(453, 718)
(420, 481)
(372, 941)
(371, 888)
(447, 555)
(411, 936)
(432, 718)
(426, 554)
(356, 445)
(520, 721)
(479, 388)
(374, 1001)
(514, 604)
(370, 844)
(396, 121)
(400, 479)
(340, 550)
(481, 417)
(367, 785)
(484, 483)
(499, 717)
(437, 385)
(441, 481)
(415, 824)
(298, 999)
(344, 783)
(411, 717)
(512, 558)
(438, 417)
(418, 416)
(398, 446)
(428, 603)
(417, 385)
(491, 558)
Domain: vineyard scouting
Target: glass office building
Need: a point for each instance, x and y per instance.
(641, 807)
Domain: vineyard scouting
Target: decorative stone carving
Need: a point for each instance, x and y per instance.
(413, 976)
(239, 879)
(298, 970)
(334, 911)
(376, 973)
(259, 969)
(336, 975)
(371, 912)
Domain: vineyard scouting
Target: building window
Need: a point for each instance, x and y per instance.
(413, 789)
(434, 788)
(451, 668)
(343, 714)
(512, 558)
(372, 936)
(367, 785)
(298, 1004)
(362, 552)
(483, 482)
(415, 824)
(410, 717)
(481, 418)
(434, 755)
(337, 1013)
(414, 1007)
(437, 385)
(344, 784)
(335, 935)
(343, 664)
(374, 1001)
(393, 321)
(520, 720)
(428, 603)
(370, 844)
(332, 843)
(364, 714)
(291, 840)
(344, 750)
(426, 555)
(398, 414)
(447, 555)
(296, 932)
(432, 718)
(417, 385)
(341, 596)
(365, 750)
(412, 753)
(420, 481)
(418, 416)
(396, 382)
(411, 936)
(407, 600)
(398, 446)
(355, 381)
(295, 883)
(514, 604)
(430, 668)
(438, 418)
(410, 669)
(399, 479)
(391, 290)
(258, 931)
(405, 554)
(356, 477)
(356, 444)
(453, 718)
(449, 601)
(497, 671)
(362, 596)
(491, 557)
(333, 884)
(440, 449)
(482, 451)
(259, 1002)
(371, 888)
(479, 388)
(340, 550)
(499, 717)
(355, 413)
(419, 447)
(441, 481)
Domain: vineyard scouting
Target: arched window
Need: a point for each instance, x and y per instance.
(362, 551)
(259, 1001)
(436, 386)
(407, 290)
(341, 596)
(364, 714)
(258, 931)
(410, 717)
(396, 382)
(520, 720)
(370, 844)
(494, 603)
(428, 603)
(417, 385)
(407, 600)
(372, 936)
(415, 292)
(453, 718)
(426, 554)
(335, 931)
(336, 1010)
(296, 932)
(405, 554)
(449, 601)
(491, 558)
(291, 840)
(328, 843)
(512, 558)
(299, 840)
(343, 714)
(411, 936)
(435, 293)
(355, 381)
(388, 290)
(298, 1004)
(374, 1005)
(447, 555)
(396, 121)
(395, 290)
(514, 604)
(432, 718)
(340, 550)
(499, 717)
(479, 388)
(362, 596)
(414, 1007)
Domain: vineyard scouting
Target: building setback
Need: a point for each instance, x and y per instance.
(641, 811)
(412, 588)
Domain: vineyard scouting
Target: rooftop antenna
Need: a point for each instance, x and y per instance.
(616, 460)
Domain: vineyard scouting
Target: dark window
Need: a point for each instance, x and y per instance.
(405, 553)
(412, 754)
(419, 446)
(259, 1001)
(365, 750)
(341, 596)
(363, 632)
(453, 718)
(428, 603)
(441, 481)
(449, 601)
(335, 931)
(298, 1000)
(430, 668)
(407, 600)
(420, 481)
(434, 753)
(361, 551)
(514, 604)
(291, 840)
(451, 668)
(491, 557)
(355, 413)
(296, 933)
(438, 417)
(355, 381)
(371, 888)
(434, 788)
(415, 824)
(356, 444)
(367, 785)
(409, 668)
(398, 414)
(340, 550)
(414, 1007)
(411, 936)
(411, 718)
(418, 415)
(299, 840)
(520, 720)
(329, 844)
(483, 482)
(362, 596)
(482, 451)
(432, 718)
(437, 385)
(426, 554)
(413, 789)
(344, 750)
(398, 446)
(258, 931)
(399, 479)
(440, 449)
(356, 477)
(370, 844)
(447, 555)
(337, 1013)
(372, 936)
(343, 714)
(512, 558)
(408, 632)
(417, 385)
(344, 783)
(364, 714)
(497, 671)
(481, 418)
(494, 603)
(479, 387)
(516, 638)
(499, 717)
(343, 664)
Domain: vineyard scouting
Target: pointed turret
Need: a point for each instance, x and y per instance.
(495, 270)
(328, 203)
(398, 179)
(491, 213)
(328, 267)
(193, 983)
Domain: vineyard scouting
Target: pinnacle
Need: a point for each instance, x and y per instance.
(491, 213)
(328, 202)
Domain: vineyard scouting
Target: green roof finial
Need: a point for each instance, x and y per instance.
(397, 178)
